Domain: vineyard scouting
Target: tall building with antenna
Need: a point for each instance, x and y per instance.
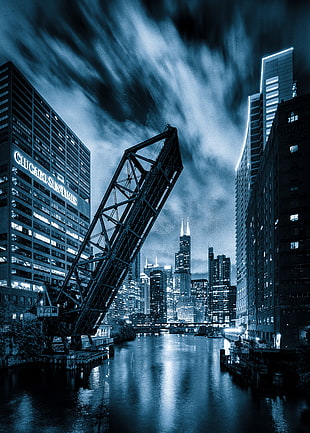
(183, 262)
(182, 274)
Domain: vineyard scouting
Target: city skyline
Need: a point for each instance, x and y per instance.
(118, 73)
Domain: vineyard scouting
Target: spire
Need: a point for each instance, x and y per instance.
(182, 228)
(188, 232)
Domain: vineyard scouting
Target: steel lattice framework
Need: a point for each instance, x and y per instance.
(137, 192)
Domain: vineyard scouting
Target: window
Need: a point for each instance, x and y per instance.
(294, 245)
(271, 109)
(42, 238)
(41, 217)
(272, 94)
(272, 80)
(270, 116)
(293, 188)
(294, 148)
(272, 101)
(272, 87)
(294, 217)
(292, 117)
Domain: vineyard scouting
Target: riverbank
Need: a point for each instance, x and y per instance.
(269, 369)
(25, 347)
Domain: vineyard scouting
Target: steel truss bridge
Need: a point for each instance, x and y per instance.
(137, 192)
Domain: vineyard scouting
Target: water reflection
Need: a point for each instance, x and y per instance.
(24, 413)
(277, 412)
(166, 384)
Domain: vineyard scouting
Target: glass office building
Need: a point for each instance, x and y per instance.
(44, 192)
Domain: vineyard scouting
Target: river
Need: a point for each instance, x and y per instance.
(155, 384)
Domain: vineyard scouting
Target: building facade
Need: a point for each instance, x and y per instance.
(276, 85)
(44, 193)
(279, 230)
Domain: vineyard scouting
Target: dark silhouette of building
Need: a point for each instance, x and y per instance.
(221, 296)
(44, 193)
(158, 302)
(199, 292)
(279, 231)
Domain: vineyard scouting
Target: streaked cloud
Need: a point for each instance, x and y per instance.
(118, 72)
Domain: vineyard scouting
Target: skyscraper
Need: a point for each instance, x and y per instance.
(276, 85)
(158, 297)
(278, 223)
(156, 285)
(44, 192)
(221, 306)
(199, 292)
(183, 262)
(182, 275)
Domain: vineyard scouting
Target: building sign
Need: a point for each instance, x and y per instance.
(44, 177)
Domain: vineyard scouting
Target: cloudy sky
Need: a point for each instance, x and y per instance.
(118, 71)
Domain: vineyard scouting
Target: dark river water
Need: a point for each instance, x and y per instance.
(155, 384)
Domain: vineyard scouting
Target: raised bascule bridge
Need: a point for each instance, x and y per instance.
(137, 192)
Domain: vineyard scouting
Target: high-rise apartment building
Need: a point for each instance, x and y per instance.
(276, 85)
(44, 192)
(278, 223)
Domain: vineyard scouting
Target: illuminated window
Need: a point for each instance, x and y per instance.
(272, 87)
(272, 94)
(271, 109)
(294, 217)
(41, 217)
(42, 238)
(294, 245)
(294, 148)
(270, 116)
(16, 226)
(272, 80)
(292, 117)
(273, 101)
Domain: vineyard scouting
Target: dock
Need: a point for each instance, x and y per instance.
(268, 368)
(77, 358)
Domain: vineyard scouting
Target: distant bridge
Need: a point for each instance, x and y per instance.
(172, 328)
